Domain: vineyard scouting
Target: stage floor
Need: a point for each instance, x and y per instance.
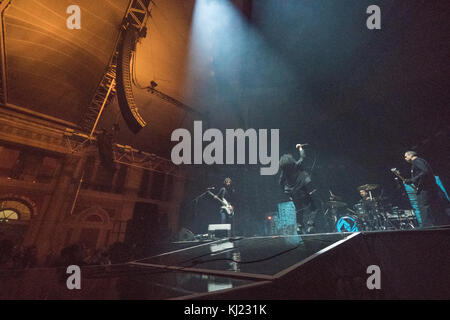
(254, 257)
(223, 264)
(329, 265)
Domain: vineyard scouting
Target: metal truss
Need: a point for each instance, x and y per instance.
(129, 156)
(104, 95)
(77, 142)
(173, 101)
(137, 15)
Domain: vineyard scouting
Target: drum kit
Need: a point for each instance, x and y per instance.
(372, 213)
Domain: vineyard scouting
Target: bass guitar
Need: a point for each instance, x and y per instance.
(398, 175)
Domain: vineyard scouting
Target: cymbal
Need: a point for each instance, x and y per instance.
(368, 187)
(337, 204)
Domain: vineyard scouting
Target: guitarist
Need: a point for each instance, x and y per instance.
(226, 192)
(428, 198)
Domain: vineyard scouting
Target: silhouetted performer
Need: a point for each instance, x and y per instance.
(429, 200)
(226, 193)
(296, 183)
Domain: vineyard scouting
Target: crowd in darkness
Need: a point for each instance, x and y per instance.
(82, 254)
(141, 244)
(14, 256)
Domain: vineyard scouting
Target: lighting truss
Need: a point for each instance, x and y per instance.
(78, 142)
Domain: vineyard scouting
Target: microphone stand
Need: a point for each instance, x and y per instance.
(195, 201)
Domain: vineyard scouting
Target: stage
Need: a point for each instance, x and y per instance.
(411, 264)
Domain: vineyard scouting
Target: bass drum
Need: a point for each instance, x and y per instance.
(349, 223)
(359, 209)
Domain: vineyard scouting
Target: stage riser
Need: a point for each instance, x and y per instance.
(413, 265)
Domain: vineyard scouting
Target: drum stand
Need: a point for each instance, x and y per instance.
(332, 219)
(385, 221)
(333, 214)
(382, 219)
(404, 223)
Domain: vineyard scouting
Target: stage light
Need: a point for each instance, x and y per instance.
(221, 246)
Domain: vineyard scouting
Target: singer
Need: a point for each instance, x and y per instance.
(296, 183)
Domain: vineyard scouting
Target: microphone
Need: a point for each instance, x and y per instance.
(210, 188)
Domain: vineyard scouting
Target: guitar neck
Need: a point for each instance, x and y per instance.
(217, 198)
(404, 180)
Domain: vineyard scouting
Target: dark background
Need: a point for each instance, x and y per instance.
(359, 97)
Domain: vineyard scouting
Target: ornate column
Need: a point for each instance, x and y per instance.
(50, 234)
(175, 200)
(131, 190)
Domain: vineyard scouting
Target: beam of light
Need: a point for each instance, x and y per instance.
(228, 54)
(216, 44)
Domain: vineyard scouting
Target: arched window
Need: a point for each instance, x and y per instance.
(14, 210)
(93, 218)
(8, 214)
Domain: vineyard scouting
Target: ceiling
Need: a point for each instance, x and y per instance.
(54, 70)
(310, 68)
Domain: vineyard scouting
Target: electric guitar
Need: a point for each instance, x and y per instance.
(397, 173)
(225, 204)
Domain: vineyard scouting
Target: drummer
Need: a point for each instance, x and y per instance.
(365, 196)
(367, 201)
(363, 207)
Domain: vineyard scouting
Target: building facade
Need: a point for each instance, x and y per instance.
(55, 190)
